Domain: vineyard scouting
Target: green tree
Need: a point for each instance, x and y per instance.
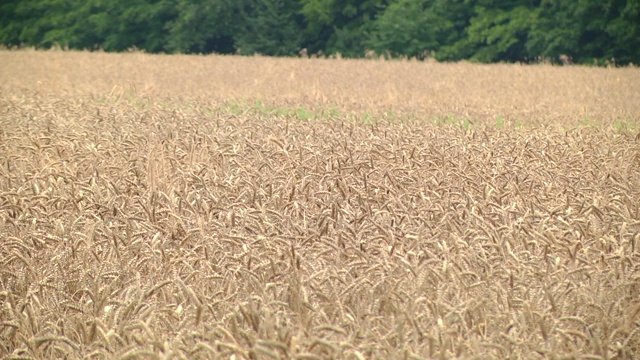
(556, 31)
(483, 30)
(203, 26)
(623, 27)
(340, 26)
(142, 23)
(501, 35)
(459, 13)
(408, 27)
(114, 26)
(270, 27)
(37, 22)
(10, 21)
(413, 27)
(498, 31)
(588, 30)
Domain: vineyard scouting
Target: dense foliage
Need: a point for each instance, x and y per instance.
(584, 31)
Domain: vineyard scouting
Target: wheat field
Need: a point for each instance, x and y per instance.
(210, 207)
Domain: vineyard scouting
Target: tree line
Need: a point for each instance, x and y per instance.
(580, 31)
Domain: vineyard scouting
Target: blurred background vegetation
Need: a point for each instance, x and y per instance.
(580, 31)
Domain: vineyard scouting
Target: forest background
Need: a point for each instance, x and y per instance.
(578, 31)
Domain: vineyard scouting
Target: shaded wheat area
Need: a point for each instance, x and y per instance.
(145, 226)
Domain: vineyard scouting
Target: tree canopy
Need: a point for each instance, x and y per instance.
(582, 31)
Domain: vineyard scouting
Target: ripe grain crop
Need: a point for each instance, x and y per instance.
(140, 217)
(539, 94)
